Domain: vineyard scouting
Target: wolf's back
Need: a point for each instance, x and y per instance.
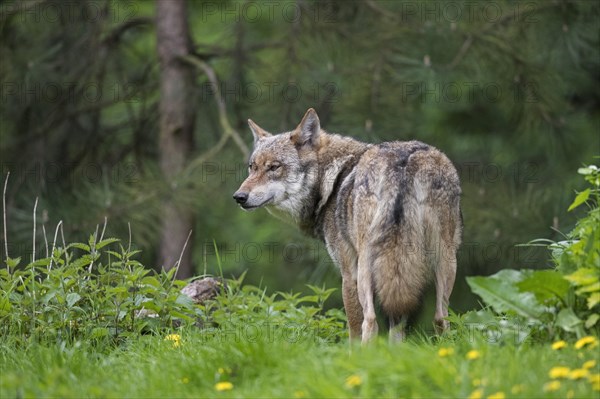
(406, 207)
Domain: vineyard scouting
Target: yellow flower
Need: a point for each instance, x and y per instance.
(588, 340)
(590, 364)
(444, 352)
(578, 374)
(594, 378)
(175, 338)
(559, 345)
(552, 386)
(185, 380)
(473, 354)
(517, 389)
(497, 395)
(559, 372)
(353, 381)
(224, 386)
(596, 386)
(476, 394)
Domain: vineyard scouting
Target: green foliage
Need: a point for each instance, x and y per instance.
(88, 291)
(248, 310)
(567, 297)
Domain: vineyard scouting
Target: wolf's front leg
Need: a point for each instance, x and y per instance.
(352, 306)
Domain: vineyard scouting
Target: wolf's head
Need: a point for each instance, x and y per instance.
(282, 168)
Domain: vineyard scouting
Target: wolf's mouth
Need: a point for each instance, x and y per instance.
(248, 207)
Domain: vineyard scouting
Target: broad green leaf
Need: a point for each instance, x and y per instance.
(594, 287)
(5, 305)
(593, 300)
(587, 170)
(72, 298)
(583, 276)
(567, 320)
(13, 262)
(592, 320)
(545, 285)
(501, 293)
(580, 199)
(85, 260)
(184, 300)
(99, 332)
(151, 280)
(40, 262)
(106, 242)
(80, 245)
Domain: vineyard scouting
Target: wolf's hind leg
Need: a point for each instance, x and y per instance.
(365, 296)
(445, 273)
(352, 306)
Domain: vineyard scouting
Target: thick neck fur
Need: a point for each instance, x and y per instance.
(336, 157)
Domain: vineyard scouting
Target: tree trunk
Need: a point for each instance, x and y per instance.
(176, 127)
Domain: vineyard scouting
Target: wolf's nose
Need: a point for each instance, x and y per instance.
(241, 198)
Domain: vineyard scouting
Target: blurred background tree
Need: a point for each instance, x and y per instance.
(508, 89)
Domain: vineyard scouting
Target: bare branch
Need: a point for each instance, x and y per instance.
(54, 246)
(228, 130)
(45, 238)
(4, 216)
(34, 228)
(461, 52)
(181, 254)
(380, 10)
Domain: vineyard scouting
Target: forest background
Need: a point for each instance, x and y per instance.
(135, 112)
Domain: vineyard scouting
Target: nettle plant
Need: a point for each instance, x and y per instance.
(94, 290)
(562, 300)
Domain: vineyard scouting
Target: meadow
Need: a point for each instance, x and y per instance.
(89, 320)
(247, 360)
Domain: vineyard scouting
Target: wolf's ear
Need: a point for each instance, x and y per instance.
(308, 130)
(257, 131)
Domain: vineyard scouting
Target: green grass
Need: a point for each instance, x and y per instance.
(289, 365)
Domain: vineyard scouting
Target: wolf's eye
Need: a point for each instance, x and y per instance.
(274, 166)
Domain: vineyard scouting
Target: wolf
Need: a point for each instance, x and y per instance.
(389, 215)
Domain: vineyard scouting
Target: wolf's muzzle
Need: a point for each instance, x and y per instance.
(240, 197)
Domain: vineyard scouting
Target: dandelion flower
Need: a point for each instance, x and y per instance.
(559, 372)
(578, 374)
(594, 378)
(552, 386)
(185, 380)
(175, 339)
(497, 395)
(473, 354)
(590, 364)
(559, 345)
(586, 341)
(444, 352)
(224, 386)
(353, 381)
(517, 389)
(476, 394)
